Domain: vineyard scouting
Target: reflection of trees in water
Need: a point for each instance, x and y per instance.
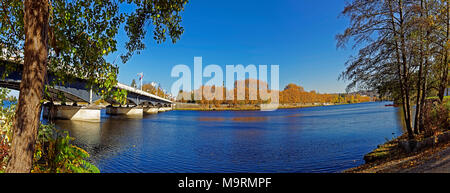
(85, 133)
(401, 118)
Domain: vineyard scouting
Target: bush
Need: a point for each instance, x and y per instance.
(7, 110)
(55, 154)
(435, 117)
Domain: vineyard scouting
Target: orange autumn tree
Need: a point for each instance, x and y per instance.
(292, 94)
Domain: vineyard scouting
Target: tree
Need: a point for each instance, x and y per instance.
(133, 84)
(72, 37)
(443, 20)
(404, 50)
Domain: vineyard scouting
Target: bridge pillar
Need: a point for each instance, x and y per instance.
(150, 110)
(75, 113)
(164, 109)
(161, 109)
(128, 111)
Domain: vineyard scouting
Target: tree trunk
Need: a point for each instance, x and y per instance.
(401, 77)
(424, 94)
(444, 77)
(36, 13)
(423, 58)
(418, 98)
(405, 66)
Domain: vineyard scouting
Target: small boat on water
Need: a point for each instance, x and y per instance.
(391, 105)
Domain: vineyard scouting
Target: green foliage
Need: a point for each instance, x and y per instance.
(7, 110)
(6, 121)
(105, 86)
(166, 19)
(55, 154)
(133, 84)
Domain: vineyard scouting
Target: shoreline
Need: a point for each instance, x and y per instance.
(397, 156)
(432, 160)
(255, 108)
(424, 153)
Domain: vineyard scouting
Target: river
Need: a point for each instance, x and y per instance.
(314, 139)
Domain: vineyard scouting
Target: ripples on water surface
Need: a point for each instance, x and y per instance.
(316, 139)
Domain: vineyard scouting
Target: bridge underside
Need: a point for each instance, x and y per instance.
(79, 91)
(75, 92)
(141, 100)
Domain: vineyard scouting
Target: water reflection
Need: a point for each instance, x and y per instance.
(317, 139)
(106, 138)
(87, 133)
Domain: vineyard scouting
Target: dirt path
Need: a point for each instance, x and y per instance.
(438, 163)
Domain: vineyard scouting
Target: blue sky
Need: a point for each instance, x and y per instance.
(297, 35)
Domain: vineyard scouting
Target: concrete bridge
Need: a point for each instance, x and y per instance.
(81, 98)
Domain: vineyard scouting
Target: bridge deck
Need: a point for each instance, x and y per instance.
(78, 91)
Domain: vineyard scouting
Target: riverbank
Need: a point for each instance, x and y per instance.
(432, 160)
(428, 152)
(200, 107)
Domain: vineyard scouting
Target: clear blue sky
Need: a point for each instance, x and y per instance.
(298, 35)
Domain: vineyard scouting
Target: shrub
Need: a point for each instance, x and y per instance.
(435, 117)
(7, 110)
(55, 154)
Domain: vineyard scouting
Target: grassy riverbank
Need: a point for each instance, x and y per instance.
(435, 159)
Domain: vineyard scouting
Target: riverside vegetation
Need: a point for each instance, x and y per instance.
(436, 128)
(404, 54)
(292, 96)
(54, 152)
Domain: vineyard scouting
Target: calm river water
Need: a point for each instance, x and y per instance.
(316, 139)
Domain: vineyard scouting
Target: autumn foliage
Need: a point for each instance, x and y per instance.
(158, 91)
(292, 94)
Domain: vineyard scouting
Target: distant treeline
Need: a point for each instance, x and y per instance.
(158, 91)
(291, 94)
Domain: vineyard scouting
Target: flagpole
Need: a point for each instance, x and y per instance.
(141, 76)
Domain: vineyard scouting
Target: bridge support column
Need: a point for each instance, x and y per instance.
(150, 110)
(75, 113)
(161, 109)
(164, 109)
(128, 111)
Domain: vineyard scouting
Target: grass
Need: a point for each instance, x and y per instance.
(383, 152)
(446, 98)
